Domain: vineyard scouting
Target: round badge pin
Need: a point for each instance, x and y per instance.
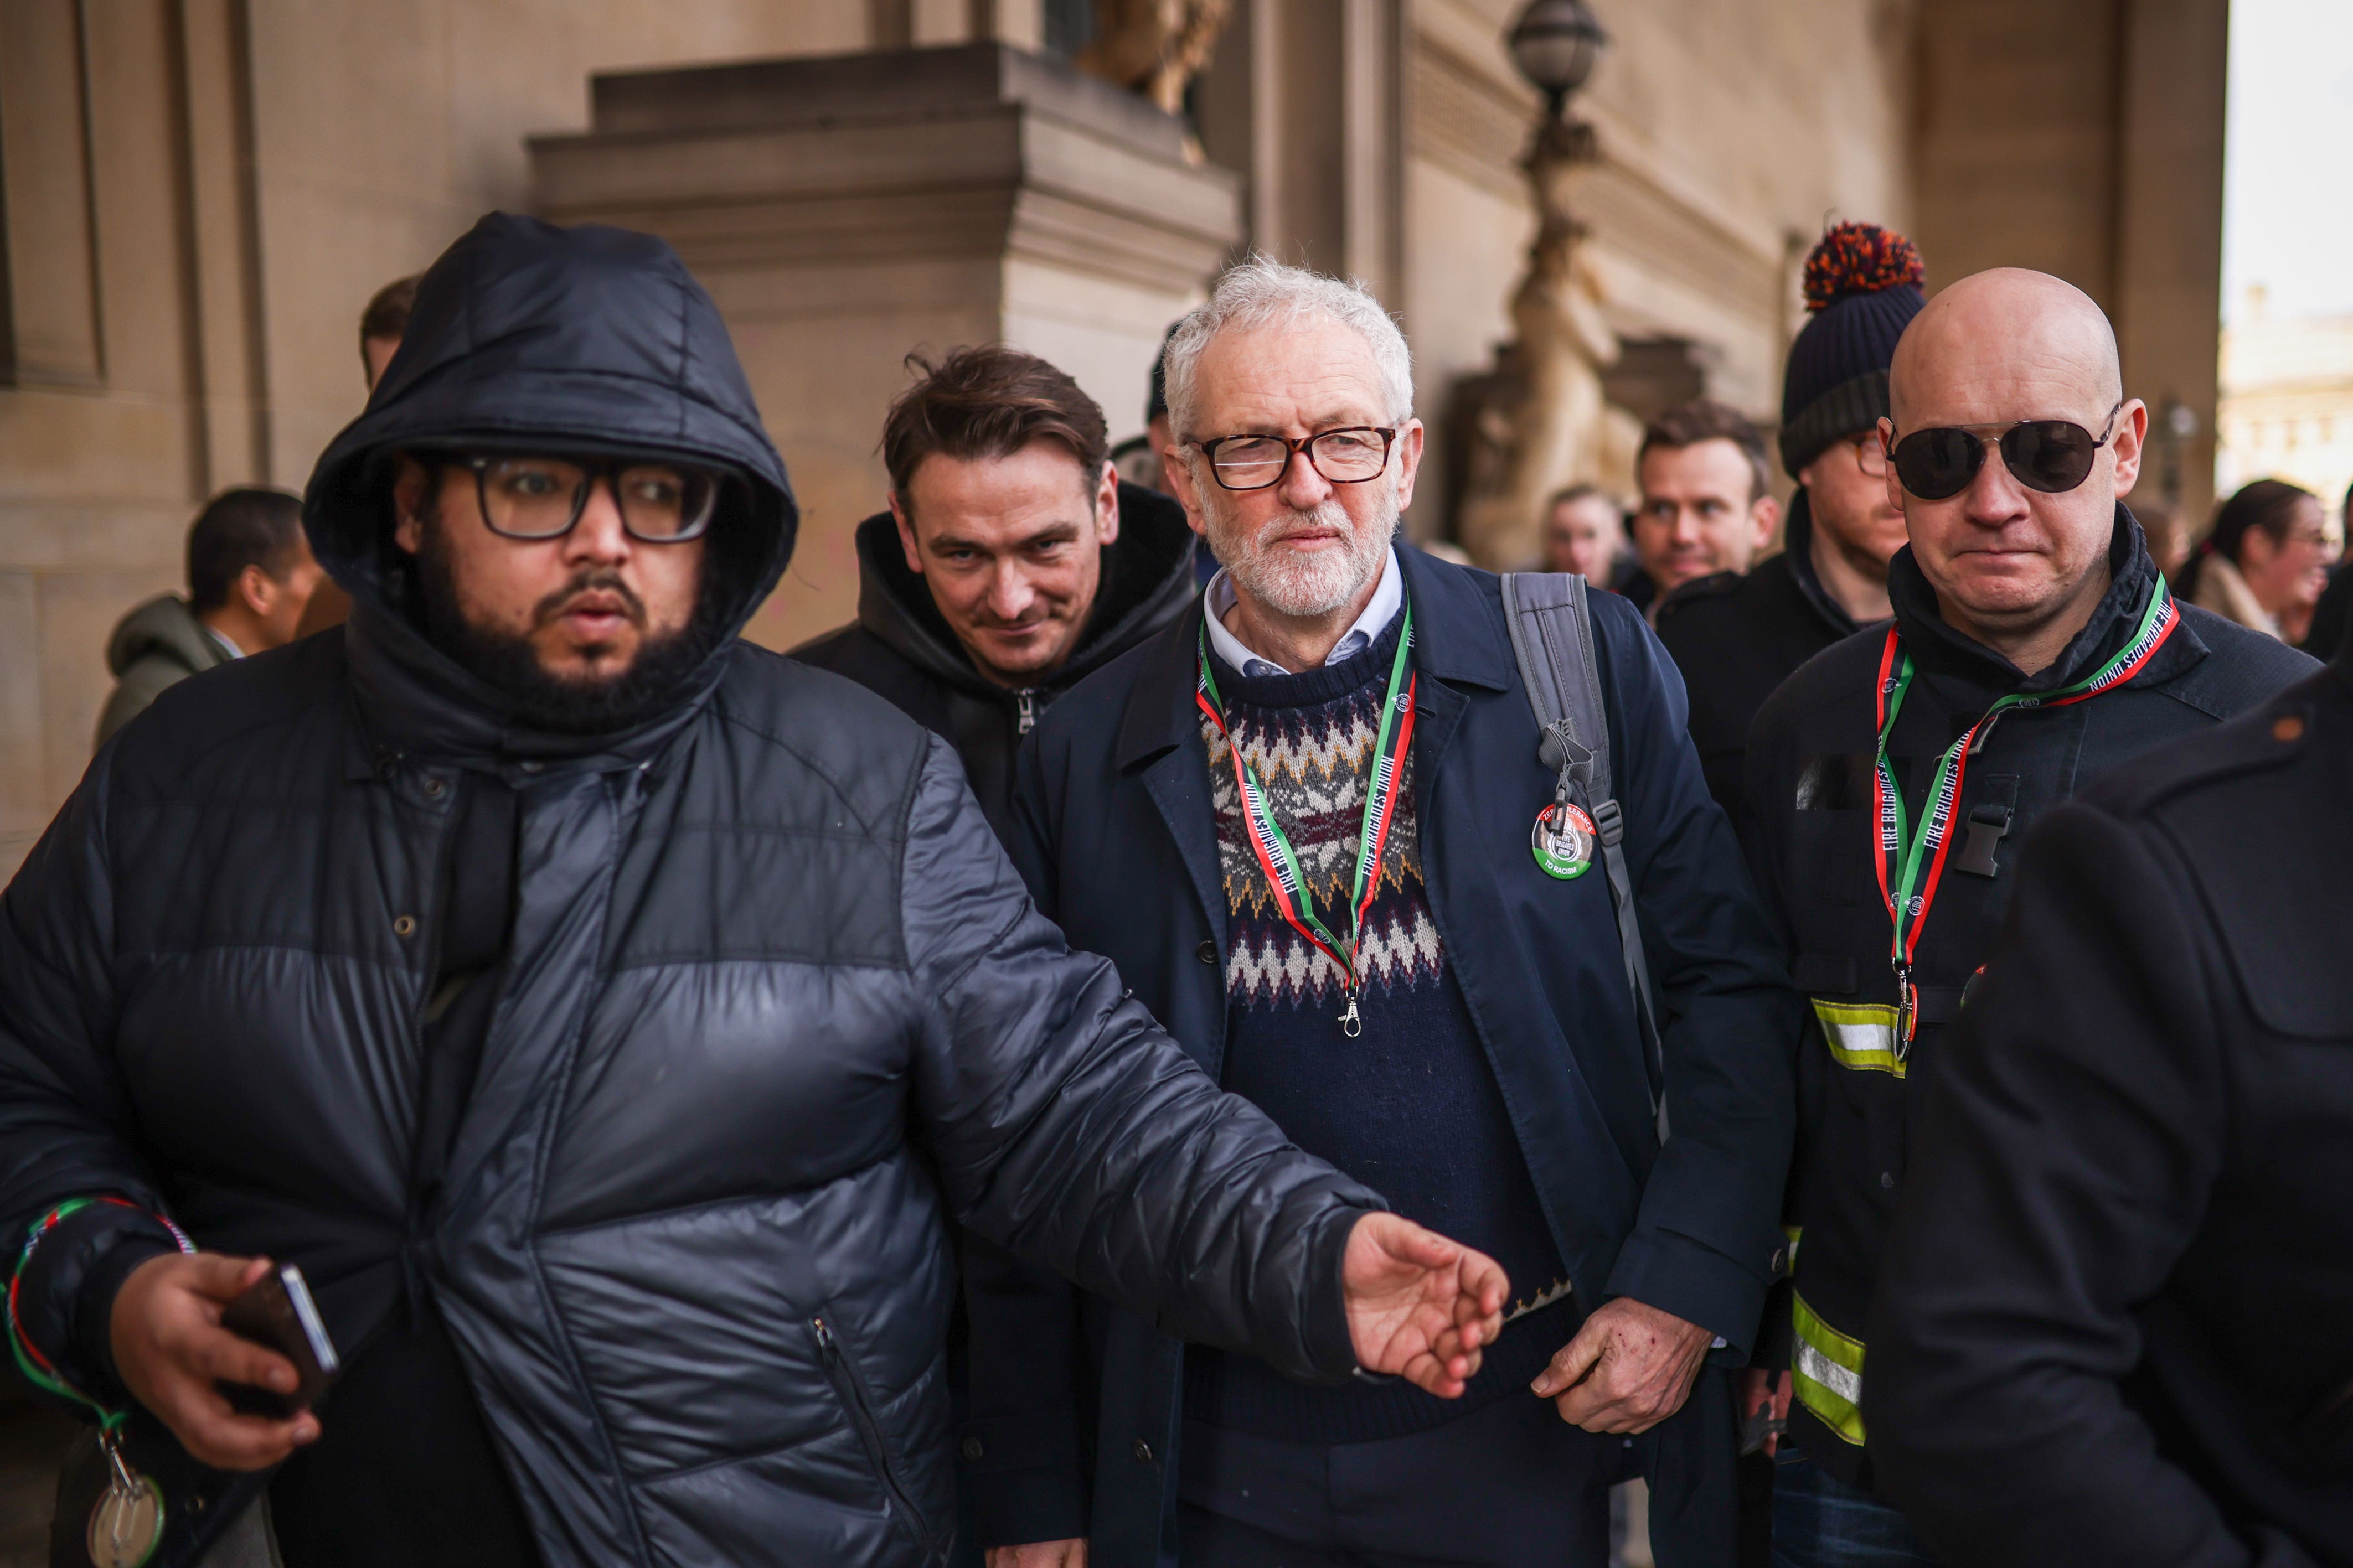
(1563, 840)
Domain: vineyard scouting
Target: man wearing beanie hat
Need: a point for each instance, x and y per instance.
(1738, 636)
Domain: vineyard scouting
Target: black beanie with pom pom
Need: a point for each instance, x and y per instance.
(1863, 286)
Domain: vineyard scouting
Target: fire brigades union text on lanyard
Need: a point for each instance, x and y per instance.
(1911, 865)
(1273, 845)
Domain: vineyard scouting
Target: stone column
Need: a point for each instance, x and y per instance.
(847, 211)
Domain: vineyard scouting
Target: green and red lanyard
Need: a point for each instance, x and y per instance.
(1911, 865)
(38, 1370)
(1273, 845)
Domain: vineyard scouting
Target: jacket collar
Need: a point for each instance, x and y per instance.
(1937, 645)
(1798, 549)
(413, 697)
(1147, 572)
(1458, 637)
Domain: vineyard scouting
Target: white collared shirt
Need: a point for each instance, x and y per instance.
(1388, 598)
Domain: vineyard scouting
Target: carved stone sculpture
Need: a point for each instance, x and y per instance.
(1155, 46)
(1561, 429)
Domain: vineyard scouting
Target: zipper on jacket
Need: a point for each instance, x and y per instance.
(1028, 709)
(852, 1389)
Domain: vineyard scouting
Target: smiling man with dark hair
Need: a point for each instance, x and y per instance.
(1010, 563)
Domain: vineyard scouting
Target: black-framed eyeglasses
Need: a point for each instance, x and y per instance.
(2052, 455)
(542, 497)
(1347, 457)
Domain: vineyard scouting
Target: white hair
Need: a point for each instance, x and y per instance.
(1264, 292)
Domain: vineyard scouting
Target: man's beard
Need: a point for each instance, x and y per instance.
(1309, 586)
(593, 705)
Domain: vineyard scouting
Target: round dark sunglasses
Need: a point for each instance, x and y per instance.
(2047, 455)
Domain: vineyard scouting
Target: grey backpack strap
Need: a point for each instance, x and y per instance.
(1552, 638)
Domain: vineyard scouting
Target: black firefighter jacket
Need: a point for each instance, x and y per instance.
(2117, 1292)
(777, 1009)
(1736, 636)
(1811, 836)
(901, 648)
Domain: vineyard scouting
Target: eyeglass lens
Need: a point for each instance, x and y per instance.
(2048, 455)
(540, 498)
(1343, 457)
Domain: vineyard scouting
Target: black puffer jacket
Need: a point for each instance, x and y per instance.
(776, 1008)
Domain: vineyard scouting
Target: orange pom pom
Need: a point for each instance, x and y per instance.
(1860, 258)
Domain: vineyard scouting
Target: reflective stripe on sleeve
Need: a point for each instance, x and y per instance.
(1861, 1037)
(1827, 1372)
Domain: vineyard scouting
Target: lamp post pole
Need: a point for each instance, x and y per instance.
(1564, 341)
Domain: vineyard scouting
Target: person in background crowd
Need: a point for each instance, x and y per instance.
(1736, 637)
(1011, 562)
(1473, 1037)
(249, 574)
(382, 326)
(1704, 508)
(605, 1014)
(2332, 618)
(2169, 542)
(2031, 625)
(2109, 1330)
(1585, 534)
(2267, 561)
(1139, 457)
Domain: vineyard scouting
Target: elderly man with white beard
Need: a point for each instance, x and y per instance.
(1311, 825)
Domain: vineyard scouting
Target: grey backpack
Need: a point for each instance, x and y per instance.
(1552, 638)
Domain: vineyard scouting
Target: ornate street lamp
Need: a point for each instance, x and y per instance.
(1555, 44)
(1558, 416)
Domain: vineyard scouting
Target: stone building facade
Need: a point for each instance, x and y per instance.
(201, 194)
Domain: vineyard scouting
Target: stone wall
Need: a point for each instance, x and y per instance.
(202, 193)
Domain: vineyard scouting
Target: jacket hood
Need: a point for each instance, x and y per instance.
(165, 625)
(1147, 576)
(2132, 578)
(526, 334)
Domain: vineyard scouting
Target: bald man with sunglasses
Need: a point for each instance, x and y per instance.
(2033, 647)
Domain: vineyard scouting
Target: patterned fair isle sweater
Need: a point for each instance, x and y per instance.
(1410, 1107)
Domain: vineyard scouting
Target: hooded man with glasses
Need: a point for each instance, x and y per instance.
(606, 1016)
(2034, 646)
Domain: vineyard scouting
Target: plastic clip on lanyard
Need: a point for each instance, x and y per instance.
(1276, 857)
(1904, 856)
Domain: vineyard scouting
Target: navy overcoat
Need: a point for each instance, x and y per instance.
(1116, 837)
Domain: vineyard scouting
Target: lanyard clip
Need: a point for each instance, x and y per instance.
(1350, 1024)
(1907, 1007)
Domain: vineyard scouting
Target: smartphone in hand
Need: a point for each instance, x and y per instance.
(278, 1313)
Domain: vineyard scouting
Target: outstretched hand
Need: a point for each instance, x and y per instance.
(1420, 1306)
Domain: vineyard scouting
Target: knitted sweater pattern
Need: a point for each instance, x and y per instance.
(1411, 1106)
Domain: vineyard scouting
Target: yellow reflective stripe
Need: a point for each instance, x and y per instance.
(1827, 1372)
(1861, 1037)
(1796, 1233)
